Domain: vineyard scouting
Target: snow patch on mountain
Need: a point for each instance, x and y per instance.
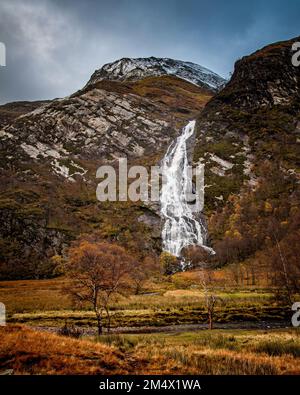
(129, 69)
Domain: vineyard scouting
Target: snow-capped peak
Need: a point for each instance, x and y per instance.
(135, 69)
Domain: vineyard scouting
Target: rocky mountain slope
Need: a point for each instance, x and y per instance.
(255, 117)
(128, 69)
(11, 111)
(248, 136)
(49, 161)
(104, 121)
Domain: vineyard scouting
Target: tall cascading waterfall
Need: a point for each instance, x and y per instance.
(180, 228)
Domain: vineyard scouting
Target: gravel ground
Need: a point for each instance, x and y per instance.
(177, 328)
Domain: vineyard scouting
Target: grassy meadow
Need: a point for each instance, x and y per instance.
(165, 303)
(204, 352)
(163, 330)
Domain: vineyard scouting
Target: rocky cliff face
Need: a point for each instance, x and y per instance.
(97, 123)
(248, 136)
(255, 117)
(263, 79)
(104, 121)
(50, 156)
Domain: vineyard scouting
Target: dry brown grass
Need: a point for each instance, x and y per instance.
(33, 295)
(248, 275)
(192, 360)
(29, 352)
(24, 296)
(41, 303)
(218, 352)
(180, 96)
(206, 352)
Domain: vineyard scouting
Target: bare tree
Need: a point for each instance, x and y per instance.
(283, 260)
(284, 271)
(211, 299)
(97, 272)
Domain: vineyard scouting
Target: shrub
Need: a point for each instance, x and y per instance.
(70, 330)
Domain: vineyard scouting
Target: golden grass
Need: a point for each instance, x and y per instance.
(45, 295)
(41, 303)
(174, 92)
(32, 295)
(29, 352)
(205, 352)
(213, 352)
(190, 360)
(225, 277)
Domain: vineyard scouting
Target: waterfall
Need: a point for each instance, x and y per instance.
(180, 228)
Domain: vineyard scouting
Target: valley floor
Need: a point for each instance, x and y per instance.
(40, 303)
(162, 331)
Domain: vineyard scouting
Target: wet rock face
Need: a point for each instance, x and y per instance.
(28, 243)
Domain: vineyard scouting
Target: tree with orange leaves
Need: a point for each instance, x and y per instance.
(98, 271)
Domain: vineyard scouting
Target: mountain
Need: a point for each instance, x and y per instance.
(248, 136)
(254, 118)
(103, 121)
(49, 158)
(129, 69)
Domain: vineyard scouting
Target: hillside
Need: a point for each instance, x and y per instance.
(248, 137)
(28, 352)
(49, 162)
(11, 111)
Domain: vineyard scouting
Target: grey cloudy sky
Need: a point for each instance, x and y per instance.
(53, 46)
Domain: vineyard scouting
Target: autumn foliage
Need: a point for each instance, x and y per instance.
(262, 224)
(98, 271)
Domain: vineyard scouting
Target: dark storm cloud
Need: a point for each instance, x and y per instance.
(53, 46)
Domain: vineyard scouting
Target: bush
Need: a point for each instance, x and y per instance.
(123, 343)
(276, 349)
(169, 262)
(70, 330)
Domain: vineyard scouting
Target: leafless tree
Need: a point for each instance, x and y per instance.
(211, 299)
